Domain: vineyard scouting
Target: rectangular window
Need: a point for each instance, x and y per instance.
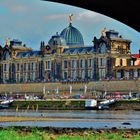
(102, 62)
(26, 66)
(33, 76)
(29, 67)
(89, 62)
(49, 65)
(75, 63)
(18, 67)
(18, 77)
(91, 74)
(81, 62)
(69, 63)
(65, 64)
(83, 74)
(102, 73)
(33, 66)
(135, 74)
(5, 67)
(72, 63)
(74, 74)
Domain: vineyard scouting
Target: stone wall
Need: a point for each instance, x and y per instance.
(133, 85)
(126, 105)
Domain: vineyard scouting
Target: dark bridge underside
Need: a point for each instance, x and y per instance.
(125, 11)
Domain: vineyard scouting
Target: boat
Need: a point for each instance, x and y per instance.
(91, 104)
(6, 103)
(105, 104)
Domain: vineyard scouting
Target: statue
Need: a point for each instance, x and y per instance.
(103, 32)
(8, 41)
(70, 18)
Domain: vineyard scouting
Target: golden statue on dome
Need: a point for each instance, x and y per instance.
(70, 18)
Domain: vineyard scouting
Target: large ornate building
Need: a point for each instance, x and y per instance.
(65, 57)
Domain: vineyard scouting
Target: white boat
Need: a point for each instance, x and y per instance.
(6, 103)
(91, 104)
(105, 104)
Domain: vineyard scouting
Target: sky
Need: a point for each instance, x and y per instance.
(33, 21)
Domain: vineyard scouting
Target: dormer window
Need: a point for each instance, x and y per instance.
(102, 48)
(6, 55)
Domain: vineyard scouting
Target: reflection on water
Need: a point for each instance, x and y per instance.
(89, 119)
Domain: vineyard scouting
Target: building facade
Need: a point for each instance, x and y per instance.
(65, 57)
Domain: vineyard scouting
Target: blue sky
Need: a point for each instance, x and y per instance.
(33, 21)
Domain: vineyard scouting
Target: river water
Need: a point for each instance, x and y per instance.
(81, 119)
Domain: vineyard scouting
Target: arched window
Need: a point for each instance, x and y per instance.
(102, 48)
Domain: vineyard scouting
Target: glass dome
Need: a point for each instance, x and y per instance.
(72, 36)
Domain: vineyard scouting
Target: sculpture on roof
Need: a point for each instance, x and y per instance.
(103, 31)
(70, 18)
(8, 41)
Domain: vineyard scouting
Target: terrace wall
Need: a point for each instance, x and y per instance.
(131, 85)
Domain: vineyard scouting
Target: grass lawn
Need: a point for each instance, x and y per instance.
(35, 134)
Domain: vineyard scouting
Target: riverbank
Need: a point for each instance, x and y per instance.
(68, 104)
(45, 118)
(49, 133)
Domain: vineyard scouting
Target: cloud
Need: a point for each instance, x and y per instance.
(35, 20)
(90, 16)
(87, 14)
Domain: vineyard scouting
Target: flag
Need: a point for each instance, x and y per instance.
(44, 90)
(130, 94)
(57, 90)
(105, 94)
(85, 90)
(70, 89)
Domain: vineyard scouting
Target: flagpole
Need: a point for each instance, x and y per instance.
(70, 89)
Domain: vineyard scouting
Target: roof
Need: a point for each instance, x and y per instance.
(135, 55)
(28, 54)
(88, 49)
(120, 39)
(72, 36)
(57, 40)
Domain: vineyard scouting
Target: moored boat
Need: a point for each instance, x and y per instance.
(91, 104)
(5, 103)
